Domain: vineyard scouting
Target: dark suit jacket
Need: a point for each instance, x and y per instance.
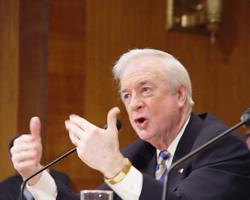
(221, 172)
(10, 187)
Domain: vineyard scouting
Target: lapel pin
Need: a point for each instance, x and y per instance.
(181, 170)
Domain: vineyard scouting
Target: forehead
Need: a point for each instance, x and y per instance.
(141, 70)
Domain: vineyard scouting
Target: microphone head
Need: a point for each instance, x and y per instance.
(245, 117)
(118, 125)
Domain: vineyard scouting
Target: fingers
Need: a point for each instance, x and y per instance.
(81, 122)
(112, 118)
(77, 125)
(80, 129)
(25, 148)
(22, 155)
(35, 127)
(75, 132)
(26, 154)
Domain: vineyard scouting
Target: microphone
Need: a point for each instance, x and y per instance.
(246, 117)
(118, 125)
(245, 120)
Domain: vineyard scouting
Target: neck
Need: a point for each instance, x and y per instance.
(166, 139)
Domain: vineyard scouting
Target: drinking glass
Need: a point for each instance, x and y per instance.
(96, 195)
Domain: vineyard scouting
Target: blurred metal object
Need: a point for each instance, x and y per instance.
(203, 16)
(213, 16)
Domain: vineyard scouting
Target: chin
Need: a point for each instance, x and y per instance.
(145, 135)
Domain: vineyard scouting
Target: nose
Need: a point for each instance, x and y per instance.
(136, 102)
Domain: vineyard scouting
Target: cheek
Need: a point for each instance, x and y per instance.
(129, 115)
(159, 105)
(164, 110)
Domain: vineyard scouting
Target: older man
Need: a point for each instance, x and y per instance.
(156, 91)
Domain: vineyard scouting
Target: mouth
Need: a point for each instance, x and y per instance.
(141, 122)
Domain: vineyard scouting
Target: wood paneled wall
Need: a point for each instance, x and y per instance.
(23, 70)
(8, 80)
(33, 62)
(86, 37)
(66, 79)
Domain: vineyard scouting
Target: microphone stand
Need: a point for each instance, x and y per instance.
(245, 119)
(42, 169)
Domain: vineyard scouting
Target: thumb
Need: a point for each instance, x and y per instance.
(112, 118)
(35, 127)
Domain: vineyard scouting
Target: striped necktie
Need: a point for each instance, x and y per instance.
(161, 168)
(28, 195)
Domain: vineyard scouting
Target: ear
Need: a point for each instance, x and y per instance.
(182, 95)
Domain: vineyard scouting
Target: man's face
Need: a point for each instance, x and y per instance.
(153, 110)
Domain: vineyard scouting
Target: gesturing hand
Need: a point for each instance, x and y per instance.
(97, 147)
(26, 152)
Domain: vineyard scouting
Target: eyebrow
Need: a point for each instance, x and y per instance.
(140, 84)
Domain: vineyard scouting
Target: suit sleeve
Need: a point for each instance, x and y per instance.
(65, 193)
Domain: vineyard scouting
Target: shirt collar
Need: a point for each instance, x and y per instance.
(173, 146)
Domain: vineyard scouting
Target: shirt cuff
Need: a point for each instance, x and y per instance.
(45, 188)
(130, 187)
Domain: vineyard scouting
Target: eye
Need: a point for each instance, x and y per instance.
(146, 90)
(125, 97)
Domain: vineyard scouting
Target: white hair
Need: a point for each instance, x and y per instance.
(175, 72)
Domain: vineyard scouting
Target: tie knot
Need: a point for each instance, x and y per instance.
(163, 156)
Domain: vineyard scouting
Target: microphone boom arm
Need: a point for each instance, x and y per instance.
(42, 169)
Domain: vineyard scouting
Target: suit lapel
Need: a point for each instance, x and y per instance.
(184, 146)
(143, 157)
(189, 136)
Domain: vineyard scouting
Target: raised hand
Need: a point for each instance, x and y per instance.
(26, 152)
(97, 147)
